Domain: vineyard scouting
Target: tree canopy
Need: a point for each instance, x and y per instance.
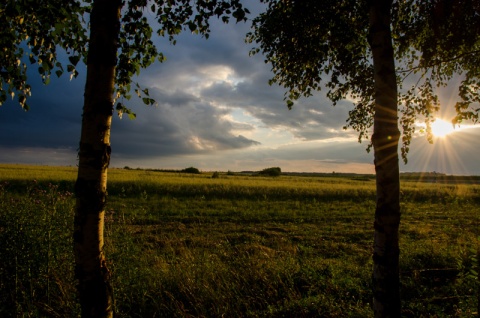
(31, 33)
(324, 44)
(437, 42)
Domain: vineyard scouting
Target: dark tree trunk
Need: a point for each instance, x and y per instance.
(386, 281)
(94, 289)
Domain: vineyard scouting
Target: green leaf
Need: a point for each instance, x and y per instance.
(74, 59)
(239, 14)
(22, 99)
(46, 66)
(121, 109)
(192, 26)
(289, 104)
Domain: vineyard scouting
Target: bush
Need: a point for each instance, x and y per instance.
(272, 172)
(191, 170)
(215, 175)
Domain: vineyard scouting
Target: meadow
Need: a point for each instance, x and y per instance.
(189, 245)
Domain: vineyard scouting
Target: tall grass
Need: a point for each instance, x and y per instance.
(237, 246)
(36, 268)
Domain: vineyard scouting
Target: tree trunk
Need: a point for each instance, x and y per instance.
(94, 289)
(386, 281)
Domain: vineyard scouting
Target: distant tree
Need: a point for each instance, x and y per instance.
(347, 47)
(190, 170)
(119, 45)
(272, 172)
(215, 175)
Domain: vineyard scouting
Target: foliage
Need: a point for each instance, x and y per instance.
(437, 41)
(238, 246)
(324, 44)
(313, 43)
(272, 172)
(468, 264)
(35, 32)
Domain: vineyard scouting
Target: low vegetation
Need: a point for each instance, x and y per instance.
(189, 245)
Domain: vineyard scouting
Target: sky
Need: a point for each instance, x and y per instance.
(217, 112)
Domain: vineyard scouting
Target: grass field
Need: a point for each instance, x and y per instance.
(183, 245)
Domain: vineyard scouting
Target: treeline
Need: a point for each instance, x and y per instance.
(431, 177)
(435, 177)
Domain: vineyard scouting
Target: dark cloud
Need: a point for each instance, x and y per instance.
(52, 121)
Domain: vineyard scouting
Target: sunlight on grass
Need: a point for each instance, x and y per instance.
(184, 245)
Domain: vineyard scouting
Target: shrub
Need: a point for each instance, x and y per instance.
(191, 170)
(215, 175)
(272, 172)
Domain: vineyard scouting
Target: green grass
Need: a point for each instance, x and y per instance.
(184, 245)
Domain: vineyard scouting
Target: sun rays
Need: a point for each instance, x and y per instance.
(442, 128)
(444, 154)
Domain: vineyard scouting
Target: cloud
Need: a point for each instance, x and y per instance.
(54, 118)
(181, 124)
(215, 111)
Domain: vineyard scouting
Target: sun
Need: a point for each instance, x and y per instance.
(441, 128)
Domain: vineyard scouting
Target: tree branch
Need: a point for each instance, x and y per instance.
(438, 62)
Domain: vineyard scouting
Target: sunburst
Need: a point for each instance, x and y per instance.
(442, 128)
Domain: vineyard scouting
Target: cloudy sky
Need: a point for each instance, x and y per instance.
(216, 111)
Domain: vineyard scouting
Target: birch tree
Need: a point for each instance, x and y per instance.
(360, 50)
(119, 46)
